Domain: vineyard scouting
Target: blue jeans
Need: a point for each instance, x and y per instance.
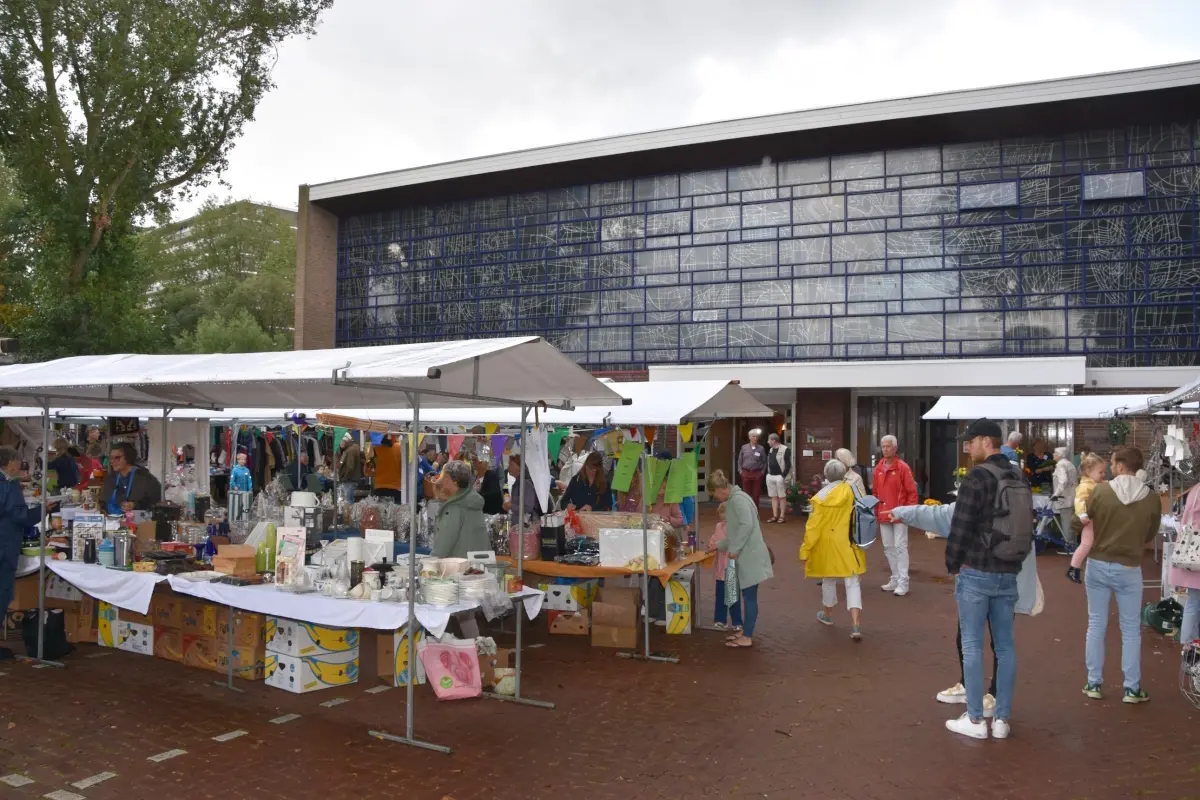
(1190, 629)
(987, 598)
(1104, 579)
(722, 612)
(750, 601)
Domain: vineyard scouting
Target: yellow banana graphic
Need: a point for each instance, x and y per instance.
(400, 664)
(679, 608)
(104, 626)
(333, 674)
(271, 665)
(270, 628)
(332, 640)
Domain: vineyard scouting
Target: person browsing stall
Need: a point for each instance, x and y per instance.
(487, 483)
(15, 517)
(588, 491)
(127, 486)
(744, 545)
(461, 528)
(64, 465)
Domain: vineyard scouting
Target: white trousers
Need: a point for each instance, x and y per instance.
(895, 549)
(853, 592)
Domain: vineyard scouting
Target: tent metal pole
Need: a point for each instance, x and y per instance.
(411, 624)
(700, 543)
(647, 453)
(516, 698)
(233, 438)
(41, 645)
(228, 654)
(165, 435)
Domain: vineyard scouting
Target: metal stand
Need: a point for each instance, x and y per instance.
(696, 591)
(414, 399)
(646, 655)
(41, 620)
(228, 657)
(516, 698)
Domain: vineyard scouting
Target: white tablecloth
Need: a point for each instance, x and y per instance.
(123, 588)
(336, 612)
(27, 565)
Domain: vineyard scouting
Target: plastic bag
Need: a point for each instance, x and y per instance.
(733, 592)
(453, 669)
(495, 601)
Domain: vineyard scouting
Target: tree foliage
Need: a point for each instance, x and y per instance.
(110, 111)
(238, 332)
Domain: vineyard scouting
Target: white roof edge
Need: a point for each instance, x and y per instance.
(1141, 79)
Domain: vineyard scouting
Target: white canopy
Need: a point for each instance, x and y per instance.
(1064, 407)
(479, 372)
(1180, 397)
(647, 403)
(266, 416)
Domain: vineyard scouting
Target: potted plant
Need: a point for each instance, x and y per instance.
(1117, 431)
(959, 474)
(799, 499)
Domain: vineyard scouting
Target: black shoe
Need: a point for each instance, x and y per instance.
(6, 654)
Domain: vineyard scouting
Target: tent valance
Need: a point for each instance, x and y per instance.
(1064, 407)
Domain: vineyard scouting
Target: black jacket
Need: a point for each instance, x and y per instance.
(492, 491)
(581, 493)
(144, 493)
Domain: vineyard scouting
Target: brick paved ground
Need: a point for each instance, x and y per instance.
(807, 713)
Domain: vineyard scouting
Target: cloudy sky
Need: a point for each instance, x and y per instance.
(389, 84)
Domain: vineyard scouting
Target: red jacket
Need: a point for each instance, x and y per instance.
(893, 484)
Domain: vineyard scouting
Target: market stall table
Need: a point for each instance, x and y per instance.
(555, 569)
(121, 587)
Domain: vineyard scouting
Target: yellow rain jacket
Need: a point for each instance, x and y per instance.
(827, 549)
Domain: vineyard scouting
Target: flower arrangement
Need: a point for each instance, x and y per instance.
(800, 496)
(960, 473)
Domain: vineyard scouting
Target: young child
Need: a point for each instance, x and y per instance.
(735, 612)
(1091, 470)
(240, 479)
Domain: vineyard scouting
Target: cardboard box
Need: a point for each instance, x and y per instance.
(132, 617)
(571, 623)
(489, 664)
(82, 622)
(197, 617)
(304, 674)
(237, 566)
(166, 609)
(200, 652)
(570, 597)
(291, 638)
(392, 656)
(618, 547)
(144, 537)
(60, 594)
(249, 663)
(25, 593)
(134, 638)
(678, 601)
(168, 644)
(106, 623)
(249, 629)
(615, 617)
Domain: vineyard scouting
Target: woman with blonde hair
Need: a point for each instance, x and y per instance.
(744, 546)
(852, 475)
(828, 553)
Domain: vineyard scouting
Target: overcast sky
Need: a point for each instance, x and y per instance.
(389, 84)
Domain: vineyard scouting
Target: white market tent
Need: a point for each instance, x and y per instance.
(1054, 407)
(645, 403)
(519, 372)
(1185, 396)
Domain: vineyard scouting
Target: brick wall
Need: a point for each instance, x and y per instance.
(825, 415)
(316, 276)
(1094, 433)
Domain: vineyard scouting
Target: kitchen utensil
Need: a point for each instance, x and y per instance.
(89, 550)
(122, 550)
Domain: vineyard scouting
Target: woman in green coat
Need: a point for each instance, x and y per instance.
(746, 549)
(460, 524)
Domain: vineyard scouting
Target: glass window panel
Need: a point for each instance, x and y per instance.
(613, 192)
(715, 295)
(972, 240)
(1110, 185)
(859, 246)
(878, 204)
(721, 218)
(1035, 324)
(623, 301)
(765, 214)
(659, 187)
(804, 251)
(857, 165)
(656, 261)
(916, 160)
(703, 258)
(872, 287)
(704, 182)
(655, 336)
(759, 177)
(819, 290)
(914, 243)
(623, 227)
(819, 209)
(934, 200)
(805, 331)
(751, 334)
(673, 298)
(930, 284)
(704, 335)
(811, 170)
(987, 195)
(767, 293)
(979, 325)
(971, 156)
(915, 327)
(859, 329)
(665, 224)
(753, 254)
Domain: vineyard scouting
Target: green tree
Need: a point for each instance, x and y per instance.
(110, 111)
(236, 333)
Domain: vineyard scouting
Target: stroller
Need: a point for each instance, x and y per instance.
(1048, 531)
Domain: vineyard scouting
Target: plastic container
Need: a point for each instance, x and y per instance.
(104, 553)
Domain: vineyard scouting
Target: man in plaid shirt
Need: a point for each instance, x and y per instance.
(986, 587)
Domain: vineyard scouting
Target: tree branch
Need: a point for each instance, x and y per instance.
(80, 259)
(58, 122)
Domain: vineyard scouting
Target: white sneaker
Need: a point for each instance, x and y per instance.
(964, 726)
(901, 590)
(955, 694)
(1000, 729)
(989, 706)
(890, 586)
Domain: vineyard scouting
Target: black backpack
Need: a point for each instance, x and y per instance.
(1011, 535)
(54, 645)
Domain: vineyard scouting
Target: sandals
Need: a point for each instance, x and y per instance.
(739, 642)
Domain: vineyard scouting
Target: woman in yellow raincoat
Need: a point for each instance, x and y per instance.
(828, 552)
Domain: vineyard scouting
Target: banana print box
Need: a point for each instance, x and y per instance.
(678, 601)
(106, 624)
(291, 638)
(303, 674)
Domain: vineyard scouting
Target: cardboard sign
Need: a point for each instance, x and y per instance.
(123, 426)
